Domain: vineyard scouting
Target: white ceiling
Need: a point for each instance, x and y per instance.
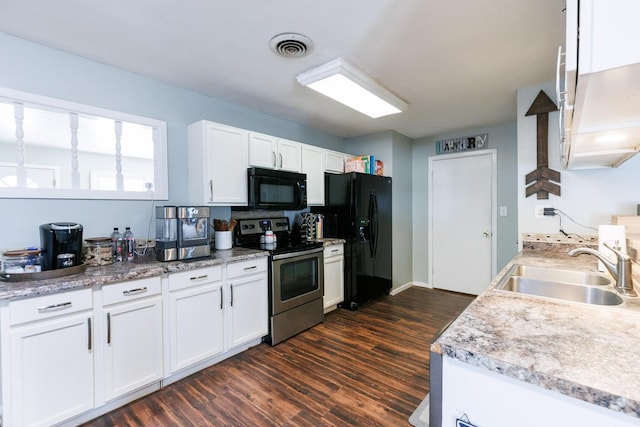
(457, 63)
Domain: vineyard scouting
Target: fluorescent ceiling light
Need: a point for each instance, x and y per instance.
(605, 152)
(348, 85)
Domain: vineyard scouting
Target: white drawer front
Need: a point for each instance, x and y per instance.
(333, 250)
(242, 268)
(44, 307)
(133, 289)
(186, 279)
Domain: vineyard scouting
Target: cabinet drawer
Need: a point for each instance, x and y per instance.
(333, 250)
(242, 268)
(186, 279)
(133, 289)
(44, 307)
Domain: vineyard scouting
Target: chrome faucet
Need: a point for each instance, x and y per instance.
(621, 271)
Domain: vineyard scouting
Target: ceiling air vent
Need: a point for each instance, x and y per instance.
(291, 45)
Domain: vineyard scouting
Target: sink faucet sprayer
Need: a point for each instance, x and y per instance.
(621, 271)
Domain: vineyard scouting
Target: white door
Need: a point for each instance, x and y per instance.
(462, 193)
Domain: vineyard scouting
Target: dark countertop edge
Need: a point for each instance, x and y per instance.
(98, 276)
(555, 259)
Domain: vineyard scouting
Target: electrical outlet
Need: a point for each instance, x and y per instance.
(539, 211)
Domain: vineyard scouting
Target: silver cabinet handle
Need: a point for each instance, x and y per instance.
(281, 160)
(231, 303)
(135, 291)
(89, 333)
(211, 190)
(253, 267)
(221, 299)
(55, 307)
(204, 276)
(335, 250)
(274, 158)
(108, 328)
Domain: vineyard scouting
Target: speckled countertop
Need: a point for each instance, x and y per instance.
(586, 352)
(119, 272)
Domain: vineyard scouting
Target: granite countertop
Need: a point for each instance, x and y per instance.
(119, 272)
(586, 352)
(328, 241)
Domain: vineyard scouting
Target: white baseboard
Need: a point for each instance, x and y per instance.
(401, 288)
(422, 285)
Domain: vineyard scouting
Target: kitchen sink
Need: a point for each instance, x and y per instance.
(566, 285)
(557, 275)
(563, 291)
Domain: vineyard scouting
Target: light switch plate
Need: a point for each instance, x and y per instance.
(503, 211)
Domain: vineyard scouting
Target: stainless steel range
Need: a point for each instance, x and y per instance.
(296, 275)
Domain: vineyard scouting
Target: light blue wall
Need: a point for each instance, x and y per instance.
(503, 139)
(34, 68)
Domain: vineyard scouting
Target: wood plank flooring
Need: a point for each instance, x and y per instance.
(368, 367)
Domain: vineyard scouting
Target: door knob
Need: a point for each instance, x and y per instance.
(485, 234)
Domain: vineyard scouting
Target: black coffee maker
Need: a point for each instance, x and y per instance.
(61, 244)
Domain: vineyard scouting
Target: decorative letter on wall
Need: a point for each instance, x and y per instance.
(543, 176)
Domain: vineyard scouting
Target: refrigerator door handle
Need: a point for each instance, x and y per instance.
(375, 225)
(372, 230)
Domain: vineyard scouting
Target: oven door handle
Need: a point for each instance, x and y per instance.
(297, 254)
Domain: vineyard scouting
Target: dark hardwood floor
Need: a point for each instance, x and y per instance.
(368, 367)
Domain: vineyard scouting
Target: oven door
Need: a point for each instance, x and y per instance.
(297, 278)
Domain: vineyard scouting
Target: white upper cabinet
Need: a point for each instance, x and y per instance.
(274, 153)
(335, 162)
(600, 111)
(217, 164)
(313, 164)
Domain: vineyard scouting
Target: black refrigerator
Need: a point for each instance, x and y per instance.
(358, 209)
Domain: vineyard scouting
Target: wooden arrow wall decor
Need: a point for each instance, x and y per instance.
(543, 176)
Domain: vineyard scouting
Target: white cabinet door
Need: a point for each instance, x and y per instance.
(132, 338)
(608, 34)
(263, 151)
(248, 308)
(289, 155)
(333, 276)
(51, 371)
(196, 321)
(335, 162)
(313, 164)
(217, 171)
(273, 153)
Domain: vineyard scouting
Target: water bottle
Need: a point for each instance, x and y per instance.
(116, 244)
(129, 244)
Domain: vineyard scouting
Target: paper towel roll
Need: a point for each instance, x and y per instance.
(611, 233)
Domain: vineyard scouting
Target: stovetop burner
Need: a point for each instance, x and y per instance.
(249, 231)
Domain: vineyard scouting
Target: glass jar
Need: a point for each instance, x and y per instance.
(98, 251)
(21, 261)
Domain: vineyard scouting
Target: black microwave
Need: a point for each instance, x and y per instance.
(277, 190)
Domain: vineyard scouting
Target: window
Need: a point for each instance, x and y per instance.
(56, 149)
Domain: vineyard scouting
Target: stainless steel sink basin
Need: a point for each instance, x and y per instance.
(562, 291)
(557, 275)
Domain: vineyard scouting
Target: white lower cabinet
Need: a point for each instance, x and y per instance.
(131, 316)
(333, 276)
(195, 317)
(248, 303)
(213, 313)
(47, 359)
(72, 356)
